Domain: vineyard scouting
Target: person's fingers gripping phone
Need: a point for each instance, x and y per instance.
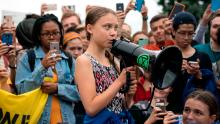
(193, 63)
(161, 105)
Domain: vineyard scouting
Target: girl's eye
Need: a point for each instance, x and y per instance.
(186, 110)
(197, 112)
(116, 28)
(107, 27)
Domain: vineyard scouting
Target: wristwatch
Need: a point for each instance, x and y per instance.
(145, 18)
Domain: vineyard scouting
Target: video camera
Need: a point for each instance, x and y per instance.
(165, 65)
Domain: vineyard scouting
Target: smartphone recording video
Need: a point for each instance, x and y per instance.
(192, 63)
(215, 5)
(120, 7)
(142, 42)
(72, 7)
(161, 103)
(54, 46)
(178, 7)
(7, 21)
(138, 5)
(7, 38)
(51, 7)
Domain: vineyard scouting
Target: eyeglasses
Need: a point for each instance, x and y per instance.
(184, 34)
(49, 34)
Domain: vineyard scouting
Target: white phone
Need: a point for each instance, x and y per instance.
(192, 62)
(54, 45)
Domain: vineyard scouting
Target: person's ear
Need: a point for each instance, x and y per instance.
(213, 118)
(89, 28)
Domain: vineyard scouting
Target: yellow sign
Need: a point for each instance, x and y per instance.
(22, 109)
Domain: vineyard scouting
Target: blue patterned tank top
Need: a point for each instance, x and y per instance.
(104, 77)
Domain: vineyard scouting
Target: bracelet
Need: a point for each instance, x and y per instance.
(12, 67)
(145, 18)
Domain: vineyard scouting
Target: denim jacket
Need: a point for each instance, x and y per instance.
(67, 92)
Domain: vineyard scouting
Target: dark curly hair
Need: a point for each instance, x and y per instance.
(38, 27)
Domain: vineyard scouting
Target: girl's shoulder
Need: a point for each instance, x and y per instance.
(82, 59)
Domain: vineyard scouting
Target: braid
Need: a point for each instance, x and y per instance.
(112, 60)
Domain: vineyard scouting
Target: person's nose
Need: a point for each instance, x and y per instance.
(113, 32)
(76, 53)
(159, 31)
(187, 37)
(190, 116)
(51, 36)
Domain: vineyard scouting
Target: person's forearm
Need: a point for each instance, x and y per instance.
(200, 33)
(144, 26)
(12, 75)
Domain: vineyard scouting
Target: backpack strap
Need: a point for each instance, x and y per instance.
(31, 59)
(69, 60)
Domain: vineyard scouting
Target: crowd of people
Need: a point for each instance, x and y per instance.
(72, 63)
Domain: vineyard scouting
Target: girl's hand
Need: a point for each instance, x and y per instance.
(121, 17)
(49, 87)
(4, 75)
(170, 118)
(156, 115)
(194, 69)
(12, 56)
(4, 48)
(144, 10)
(51, 59)
(130, 6)
(184, 64)
(133, 88)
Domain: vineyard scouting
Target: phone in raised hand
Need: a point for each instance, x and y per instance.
(215, 5)
(178, 7)
(7, 21)
(138, 5)
(51, 7)
(54, 45)
(120, 7)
